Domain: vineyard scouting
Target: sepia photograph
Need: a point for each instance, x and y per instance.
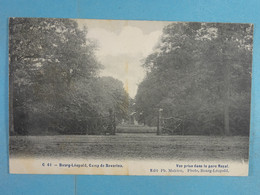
(124, 97)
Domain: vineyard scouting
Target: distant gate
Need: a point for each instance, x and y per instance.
(170, 125)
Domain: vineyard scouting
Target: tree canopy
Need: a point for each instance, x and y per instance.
(200, 72)
(54, 78)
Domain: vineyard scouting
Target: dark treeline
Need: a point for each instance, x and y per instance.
(54, 83)
(200, 73)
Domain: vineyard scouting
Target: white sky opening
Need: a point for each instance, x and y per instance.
(122, 45)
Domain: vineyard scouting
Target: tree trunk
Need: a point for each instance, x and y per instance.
(226, 96)
(11, 98)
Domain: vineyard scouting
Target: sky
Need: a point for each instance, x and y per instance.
(122, 45)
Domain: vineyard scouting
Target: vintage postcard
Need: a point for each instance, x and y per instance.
(114, 97)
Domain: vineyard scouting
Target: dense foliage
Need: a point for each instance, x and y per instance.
(200, 73)
(54, 81)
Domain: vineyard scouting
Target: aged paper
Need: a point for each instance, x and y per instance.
(114, 97)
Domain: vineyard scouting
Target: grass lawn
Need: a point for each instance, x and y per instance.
(132, 146)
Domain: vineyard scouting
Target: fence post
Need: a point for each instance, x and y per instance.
(159, 122)
(182, 128)
(114, 124)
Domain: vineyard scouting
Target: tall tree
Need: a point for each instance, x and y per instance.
(47, 58)
(200, 71)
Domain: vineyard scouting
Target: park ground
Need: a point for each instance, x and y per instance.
(140, 146)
